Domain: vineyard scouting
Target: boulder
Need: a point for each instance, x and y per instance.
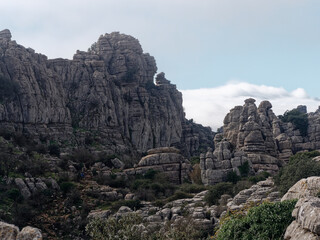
(306, 187)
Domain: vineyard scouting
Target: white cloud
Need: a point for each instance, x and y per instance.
(209, 106)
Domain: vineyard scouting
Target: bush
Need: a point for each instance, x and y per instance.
(82, 155)
(14, 194)
(217, 191)
(233, 177)
(66, 187)
(195, 160)
(260, 177)
(54, 150)
(192, 188)
(244, 169)
(179, 195)
(299, 119)
(151, 189)
(300, 166)
(125, 227)
(267, 221)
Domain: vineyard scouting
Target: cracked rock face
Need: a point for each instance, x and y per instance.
(108, 89)
(307, 210)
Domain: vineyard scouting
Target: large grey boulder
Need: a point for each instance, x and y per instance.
(11, 232)
(306, 187)
(8, 231)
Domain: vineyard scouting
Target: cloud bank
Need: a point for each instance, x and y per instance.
(209, 106)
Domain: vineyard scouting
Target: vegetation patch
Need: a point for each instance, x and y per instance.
(267, 221)
(299, 119)
(300, 166)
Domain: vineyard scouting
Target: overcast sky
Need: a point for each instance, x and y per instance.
(200, 44)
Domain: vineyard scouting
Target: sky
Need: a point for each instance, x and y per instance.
(217, 52)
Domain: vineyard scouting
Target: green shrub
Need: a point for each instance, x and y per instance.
(217, 191)
(66, 187)
(112, 228)
(179, 195)
(151, 186)
(133, 204)
(259, 177)
(300, 166)
(233, 177)
(195, 160)
(150, 174)
(267, 221)
(14, 194)
(192, 188)
(244, 169)
(54, 150)
(299, 119)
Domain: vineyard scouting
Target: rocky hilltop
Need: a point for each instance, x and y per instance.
(105, 95)
(256, 136)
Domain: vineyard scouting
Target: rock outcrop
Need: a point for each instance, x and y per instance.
(31, 186)
(107, 92)
(307, 210)
(11, 232)
(256, 135)
(165, 160)
(258, 193)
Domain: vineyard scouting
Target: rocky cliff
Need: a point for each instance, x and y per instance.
(256, 135)
(105, 95)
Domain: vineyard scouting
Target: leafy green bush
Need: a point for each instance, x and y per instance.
(244, 169)
(126, 227)
(192, 188)
(299, 119)
(217, 191)
(195, 160)
(151, 186)
(267, 221)
(300, 166)
(66, 187)
(179, 195)
(233, 177)
(54, 150)
(259, 177)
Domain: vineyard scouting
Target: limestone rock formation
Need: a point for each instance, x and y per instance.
(307, 210)
(258, 193)
(31, 186)
(165, 160)
(11, 232)
(306, 187)
(254, 134)
(107, 92)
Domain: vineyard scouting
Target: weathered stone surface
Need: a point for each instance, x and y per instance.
(29, 233)
(102, 214)
(166, 160)
(11, 232)
(307, 223)
(8, 231)
(258, 193)
(306, 187)
(296, 232)
(107, 90)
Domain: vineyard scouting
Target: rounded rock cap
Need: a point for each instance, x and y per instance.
(5, 34)
(249, 100)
